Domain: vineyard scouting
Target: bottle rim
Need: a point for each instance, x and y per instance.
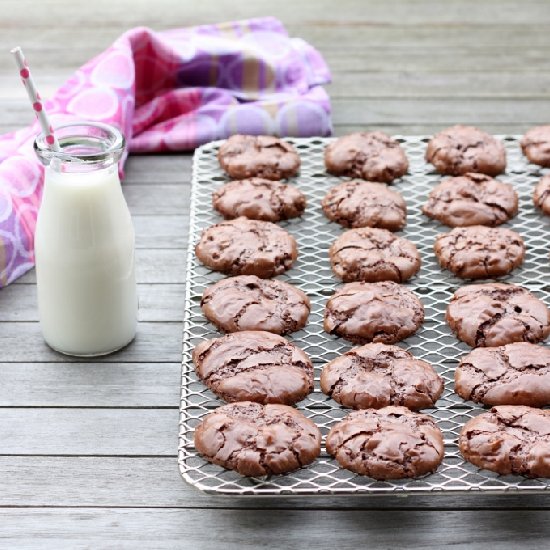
(82, 142)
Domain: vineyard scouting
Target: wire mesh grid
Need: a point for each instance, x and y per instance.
(434, 342)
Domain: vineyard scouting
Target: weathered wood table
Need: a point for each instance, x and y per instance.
(88, 449)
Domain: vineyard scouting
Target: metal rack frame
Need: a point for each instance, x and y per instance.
(434, 342)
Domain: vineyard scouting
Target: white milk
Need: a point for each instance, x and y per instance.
(84, 246)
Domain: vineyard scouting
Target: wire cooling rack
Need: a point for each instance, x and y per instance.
(434, 342)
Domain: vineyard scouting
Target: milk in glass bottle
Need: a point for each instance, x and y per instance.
(84, 244)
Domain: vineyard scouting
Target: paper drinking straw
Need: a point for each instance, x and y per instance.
(34, 98)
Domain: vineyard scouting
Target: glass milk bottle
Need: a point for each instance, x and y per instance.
(84, 244)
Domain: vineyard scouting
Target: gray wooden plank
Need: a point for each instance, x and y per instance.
(165, 168)
(85, 431)
(327, 34)
(161, 231)
(161, 266)
(320, 13)
(444, 111)
(162, 302)
(438, 85)
(152, 266)
(252, 529)
(456, 36)
(156, 482)
(427, 128)
(90, 384)
(386, 58)
(154, 343)
(18, 303)
(163, 199)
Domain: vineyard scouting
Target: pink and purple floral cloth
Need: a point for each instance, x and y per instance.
(170, 91)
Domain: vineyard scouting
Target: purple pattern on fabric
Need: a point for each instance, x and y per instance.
(171, 90)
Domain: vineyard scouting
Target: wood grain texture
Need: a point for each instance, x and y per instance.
(84, 431)
(403, 67)
(428, 129)
(161, 231)
(251, 529)
(155, 343)
(89, 384)
(62, 481)
(157, 302)
(162, 168)
(439, 85)
(443, 112)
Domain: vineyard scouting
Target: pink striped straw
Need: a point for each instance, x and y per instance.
(35, 98)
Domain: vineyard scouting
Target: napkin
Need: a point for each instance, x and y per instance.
(170, 91)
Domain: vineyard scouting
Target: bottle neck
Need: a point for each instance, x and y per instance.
(61, 166)
(83, 147)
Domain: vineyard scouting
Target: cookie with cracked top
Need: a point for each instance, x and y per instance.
(496, 314)
(509, 439)
(479, 252)
(247, 302)
(370, 254)
(387, 443)
(371, 156)
(247, 247)
(373, 312)
(515, 374)
(472, 199)
(254, 366)
(258, 440)
(541, 196)
(461, 149)
(259, 199)
(378, 375)
(357, 203)
(243, 156)
(535, 145)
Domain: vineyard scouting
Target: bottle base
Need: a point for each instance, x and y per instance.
(89, 355)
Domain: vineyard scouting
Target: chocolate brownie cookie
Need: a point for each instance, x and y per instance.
(259, 199)
(472, 199)
(509, 440)
(461, 149)
(377, 375)
(496, 314)
(359, 203)
(254, 366)
(251, 303)
(370, 254)
(388, 443)
(541, 196)
(373, 312)
(258, 440)
(367, 155)
(479, 252)
(515, 374)
(262, 156)
(247, 247)
(535, 145)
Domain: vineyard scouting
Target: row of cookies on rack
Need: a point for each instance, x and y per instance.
(375, 156)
